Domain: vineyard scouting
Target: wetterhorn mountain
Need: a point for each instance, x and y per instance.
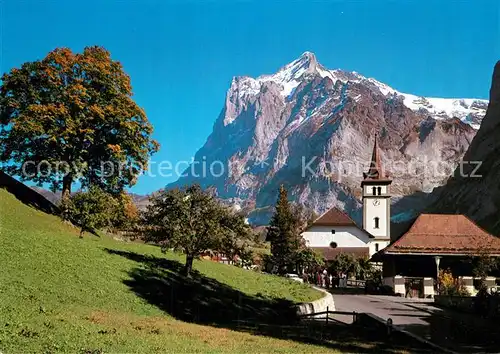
(474, 189)
(312, 129)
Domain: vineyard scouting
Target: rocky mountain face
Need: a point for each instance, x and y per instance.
(474, 189)
(312, 129)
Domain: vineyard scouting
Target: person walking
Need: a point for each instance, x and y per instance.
(327, 281)
(324, 275)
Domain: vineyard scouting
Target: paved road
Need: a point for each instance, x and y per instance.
(402, 311)
(456, 331)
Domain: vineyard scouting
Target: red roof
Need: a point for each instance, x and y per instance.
(376, 171)
(445, 234)
(334, 217)
(330, 253)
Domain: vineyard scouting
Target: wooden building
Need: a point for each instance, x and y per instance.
(433, 242)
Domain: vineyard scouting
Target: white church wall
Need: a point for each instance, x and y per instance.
(345, 236)
(373, 245)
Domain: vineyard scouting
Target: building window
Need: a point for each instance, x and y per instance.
(379, 189)
(376, 222)
(374, 191)
(333, 244)
(333, 232)
(376, 247)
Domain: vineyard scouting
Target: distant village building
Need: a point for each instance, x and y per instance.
(335, 232)
(219, 257)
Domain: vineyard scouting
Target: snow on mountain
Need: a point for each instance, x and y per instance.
(272, 125)
(289, 77)
(466, 109)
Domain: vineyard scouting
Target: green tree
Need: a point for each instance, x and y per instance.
(482, 265)
(308, 259)
(90, 210)
(302, 216)
(190, 220)
(235, 235)
(71, 116)
(344, 263)
(365, 269)
(283, 233)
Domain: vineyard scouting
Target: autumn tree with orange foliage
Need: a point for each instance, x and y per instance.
(126, 214)
(71, 116)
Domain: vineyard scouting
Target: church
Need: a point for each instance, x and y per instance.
(335, 232)
(412, 261)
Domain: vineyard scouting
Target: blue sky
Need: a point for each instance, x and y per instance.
(181, 55)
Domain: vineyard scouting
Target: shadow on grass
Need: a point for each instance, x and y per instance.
(461, 332)
(203, 300)
(198, 298)
(457, 334)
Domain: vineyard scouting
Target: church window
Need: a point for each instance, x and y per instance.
(333, 244)
(376, 247)
(376, 222)
(379, 189)
(374, 190)
(333, 232)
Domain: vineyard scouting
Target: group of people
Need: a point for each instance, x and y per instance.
(325, 279)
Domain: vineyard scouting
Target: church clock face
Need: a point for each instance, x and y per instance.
(376, 202)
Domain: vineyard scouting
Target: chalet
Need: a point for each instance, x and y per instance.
(433, 242)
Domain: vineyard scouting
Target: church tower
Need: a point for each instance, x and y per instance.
(377, 201)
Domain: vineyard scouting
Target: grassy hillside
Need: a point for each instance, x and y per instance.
(61, 293)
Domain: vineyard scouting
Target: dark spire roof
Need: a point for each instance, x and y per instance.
(376, 171)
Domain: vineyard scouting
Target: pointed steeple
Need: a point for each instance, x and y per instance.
(376, 171)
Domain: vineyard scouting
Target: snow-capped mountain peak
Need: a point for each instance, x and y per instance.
(469, 111)
(307, 62)
(288, 77)
(312, 128)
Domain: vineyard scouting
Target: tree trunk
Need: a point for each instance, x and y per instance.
(67, 182)
(188, 267)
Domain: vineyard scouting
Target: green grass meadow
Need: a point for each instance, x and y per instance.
(63, 294)
(59, 293)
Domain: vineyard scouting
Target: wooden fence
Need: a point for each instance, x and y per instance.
(327, 316)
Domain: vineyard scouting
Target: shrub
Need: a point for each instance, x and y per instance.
(448, 285)
(366, 270)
